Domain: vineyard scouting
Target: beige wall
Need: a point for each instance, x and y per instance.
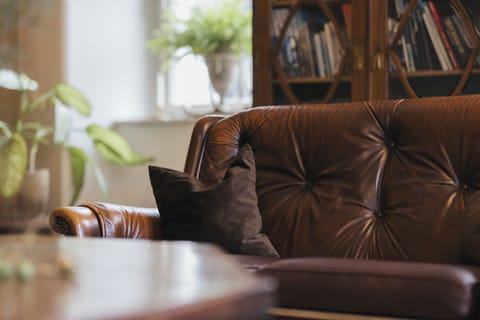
(166, 142)
(8, 102)
(41, 57)
(8, 99)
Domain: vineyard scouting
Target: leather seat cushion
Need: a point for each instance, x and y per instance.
(412, 290)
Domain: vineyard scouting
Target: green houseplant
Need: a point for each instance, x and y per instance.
(19, 142)
(219, 33)
(223, 26)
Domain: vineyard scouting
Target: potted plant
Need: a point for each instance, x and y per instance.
(219, 33)
(19, 142)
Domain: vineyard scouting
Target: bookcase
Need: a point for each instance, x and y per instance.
(310, 51)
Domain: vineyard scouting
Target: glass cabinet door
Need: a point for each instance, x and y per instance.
(432, 48)
(311, 50)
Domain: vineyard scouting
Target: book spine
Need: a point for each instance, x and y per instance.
(399, 7)
(405, 58)
(309, 49)
(462, 29)
(464, 35)
(336, 48)
(427, 49)
(409, 41)
(435, 37)
(289, 51)
(414, 36)
(443, 36)
(319, 55)
(330, 46)
(326, 53)
(299, 47)
(454, 38)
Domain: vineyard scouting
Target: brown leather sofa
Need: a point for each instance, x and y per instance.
(374, 207)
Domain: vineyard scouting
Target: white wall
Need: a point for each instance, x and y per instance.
(106, 58)
(167, 142)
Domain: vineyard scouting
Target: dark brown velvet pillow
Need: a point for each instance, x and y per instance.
(225, 214)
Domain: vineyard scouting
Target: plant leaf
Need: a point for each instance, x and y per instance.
(102, 182)
(36, 132)
(63, 124)
(78, 161)
(113, 147)
(7, 131)
(36, 126)
(73, 98)
(112, 157)
(11, 80)
(13, 161)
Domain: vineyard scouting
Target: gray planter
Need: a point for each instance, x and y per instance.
(32, 199)
(222, 69)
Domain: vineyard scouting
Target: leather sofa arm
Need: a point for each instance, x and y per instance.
(106, 220)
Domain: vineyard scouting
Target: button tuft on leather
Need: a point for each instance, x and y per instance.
(378, 214)
(464, 186)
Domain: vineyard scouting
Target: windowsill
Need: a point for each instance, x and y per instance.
(163, 116)
(174, 115)
(182, 114)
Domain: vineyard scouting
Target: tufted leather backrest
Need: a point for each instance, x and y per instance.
(379, 180)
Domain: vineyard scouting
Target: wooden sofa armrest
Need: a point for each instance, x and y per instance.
(106, 220)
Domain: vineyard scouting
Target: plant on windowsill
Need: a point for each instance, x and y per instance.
(19, 143)
(219, 33)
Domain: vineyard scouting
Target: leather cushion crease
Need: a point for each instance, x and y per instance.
(225, 213)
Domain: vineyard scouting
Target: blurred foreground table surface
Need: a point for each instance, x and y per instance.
(128, 279)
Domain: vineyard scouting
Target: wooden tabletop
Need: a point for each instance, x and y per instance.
(128, 279)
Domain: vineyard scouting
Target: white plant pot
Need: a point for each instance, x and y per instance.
(222, 69)
(32, 199)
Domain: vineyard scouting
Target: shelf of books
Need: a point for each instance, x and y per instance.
(313, 51)
(310, 46)
(435, 40)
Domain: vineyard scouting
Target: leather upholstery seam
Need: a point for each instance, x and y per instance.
(294, 140)
(98, 215)
(379, 197)
(423, 279)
